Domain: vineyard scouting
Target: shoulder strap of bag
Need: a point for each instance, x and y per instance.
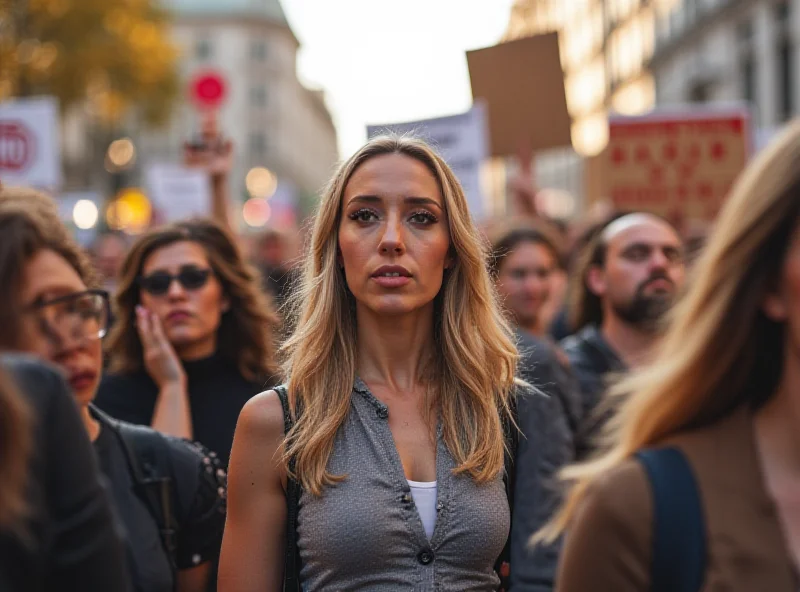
(147, 453)
(511, 433)
(291, 562)
(679, 536)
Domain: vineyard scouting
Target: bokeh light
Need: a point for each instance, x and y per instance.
(261, 182)
(130, 212)
(85, 214)
(556, 203)
(121, 154)
(256, 212)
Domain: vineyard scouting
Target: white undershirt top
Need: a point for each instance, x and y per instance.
(424, 495)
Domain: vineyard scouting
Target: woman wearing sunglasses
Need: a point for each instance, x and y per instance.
(194, 336)
(168, 494)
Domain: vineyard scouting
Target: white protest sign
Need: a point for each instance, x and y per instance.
(178, 192)
(461, 140)
(29, 145)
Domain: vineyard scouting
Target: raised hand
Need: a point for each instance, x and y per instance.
(213, 154)
(160, 359)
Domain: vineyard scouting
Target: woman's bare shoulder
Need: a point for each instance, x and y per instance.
(262, 417)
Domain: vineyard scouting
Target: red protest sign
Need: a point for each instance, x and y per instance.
(208, 89)
(680, 162)
(16, 146)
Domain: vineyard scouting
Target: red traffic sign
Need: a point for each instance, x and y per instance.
(208, 89)
(16, 146)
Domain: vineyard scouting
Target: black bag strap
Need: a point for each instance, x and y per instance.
(292, 565)
(148, 456)
(511, 433)
(291, 561)
(679, 536)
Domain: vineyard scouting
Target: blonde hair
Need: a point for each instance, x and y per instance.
(475, 358)
(720, 351)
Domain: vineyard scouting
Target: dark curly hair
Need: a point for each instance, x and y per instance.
(247, 331)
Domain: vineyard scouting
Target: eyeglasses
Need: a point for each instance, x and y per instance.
(80, 316)
(189, 277)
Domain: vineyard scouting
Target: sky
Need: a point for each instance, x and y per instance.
(386, 61)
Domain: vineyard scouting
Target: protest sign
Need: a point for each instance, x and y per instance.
(178, 192)
(679, 163)
(461, 140)
(29, 143)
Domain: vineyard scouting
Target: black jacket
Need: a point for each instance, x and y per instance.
(593, 361)
(74, 544)
(137, 461)
(545, 446)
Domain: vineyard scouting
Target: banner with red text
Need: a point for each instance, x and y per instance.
(680, 165)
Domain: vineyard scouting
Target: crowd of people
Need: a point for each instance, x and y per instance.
(416, 403)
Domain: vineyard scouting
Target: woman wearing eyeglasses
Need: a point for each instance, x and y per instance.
(168, 494)
(194, 337)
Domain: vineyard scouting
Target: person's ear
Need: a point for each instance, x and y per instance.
(596, 281)
(226, 305)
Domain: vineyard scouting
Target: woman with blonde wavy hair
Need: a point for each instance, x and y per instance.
(699, 487)
(400, 373)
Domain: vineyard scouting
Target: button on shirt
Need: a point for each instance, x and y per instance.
(365, 533)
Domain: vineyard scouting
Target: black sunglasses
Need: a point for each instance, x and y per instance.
(189, 277)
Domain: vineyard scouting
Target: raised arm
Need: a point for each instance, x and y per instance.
(214, 155)
(254, 540)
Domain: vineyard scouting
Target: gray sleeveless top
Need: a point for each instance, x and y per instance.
(365, 532)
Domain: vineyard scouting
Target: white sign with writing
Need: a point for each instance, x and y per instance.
(178, 192)
(29, 143)
(461, 140)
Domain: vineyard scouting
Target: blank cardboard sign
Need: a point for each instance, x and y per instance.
(522, 83)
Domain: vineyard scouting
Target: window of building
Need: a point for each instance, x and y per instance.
(258, 144)
(258, 96)
(785, 60)
(258, 50)
(700, 92)
(748, 67)
(203, 49)
(744, 32)
(783, 13)
(785, 79)
(747, 62)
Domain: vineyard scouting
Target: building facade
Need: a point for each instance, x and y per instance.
(732, 51)
(606, 46)
(272, 119)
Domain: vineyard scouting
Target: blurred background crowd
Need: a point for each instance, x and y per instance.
(184, 145)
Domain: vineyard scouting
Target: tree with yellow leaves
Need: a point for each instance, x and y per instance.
(115, 54)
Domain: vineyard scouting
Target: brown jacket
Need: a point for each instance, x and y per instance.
(608, 548)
